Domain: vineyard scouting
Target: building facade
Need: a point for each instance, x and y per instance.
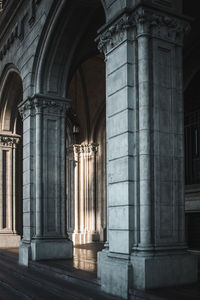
(92, 143)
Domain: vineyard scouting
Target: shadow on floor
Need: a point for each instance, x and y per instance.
(84, 260)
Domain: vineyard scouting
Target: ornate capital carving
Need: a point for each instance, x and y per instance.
(114, 34)
(24, 107)
(161, 26)
(9, 141)
(86, 149)
(143, 21)
(40, 103)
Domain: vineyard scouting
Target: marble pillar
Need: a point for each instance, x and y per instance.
(145, 153)
(9, 202)
(44, 179)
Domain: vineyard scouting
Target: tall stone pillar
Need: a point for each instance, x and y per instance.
(9, 206)
(44, 180)
(145, 154)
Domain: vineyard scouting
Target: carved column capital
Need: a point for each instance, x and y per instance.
(160, 25)
(9, 140)
(143, 21)
(114, 34)
(39, 103)
(88, 149)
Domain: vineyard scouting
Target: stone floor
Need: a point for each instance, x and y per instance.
(71, 279)
(61, 279)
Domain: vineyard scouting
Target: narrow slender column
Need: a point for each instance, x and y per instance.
(62, 192)
(92, 187)
(86, 186)
(144, 136)
(76, 189)
(81, 192)
(38, 170)
(14, 189)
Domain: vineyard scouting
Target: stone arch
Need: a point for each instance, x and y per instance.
(57, 54)
(10, 97)
(61, 57)
(11, 157)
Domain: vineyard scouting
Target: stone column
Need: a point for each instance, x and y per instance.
(73, 192)
(93, 148)
(81, 196)
(145, 173)
(44, 203)
(70, 190)
(8, 205)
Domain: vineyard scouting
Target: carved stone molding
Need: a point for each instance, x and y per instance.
(9, 140)
(160, 25)
(19, 29)
(40, 103)
(88, 149)
(114, 34)
(143, 21)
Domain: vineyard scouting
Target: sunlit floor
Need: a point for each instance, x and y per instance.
(85, 256)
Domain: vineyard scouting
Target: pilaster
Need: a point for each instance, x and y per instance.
(44, 232)
(145, 162)
(82, 203)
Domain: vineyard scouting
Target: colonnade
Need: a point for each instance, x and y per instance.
(145, 245)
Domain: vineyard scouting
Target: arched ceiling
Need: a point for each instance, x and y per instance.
(70, 43)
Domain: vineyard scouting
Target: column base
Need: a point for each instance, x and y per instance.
(51, 249)
(9, 240)
(163, 270)
(114, 273)
(24, 253)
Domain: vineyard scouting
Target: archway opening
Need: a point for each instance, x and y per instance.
(86, 154)
(11, 162)
(86, 148)
(71, 67)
